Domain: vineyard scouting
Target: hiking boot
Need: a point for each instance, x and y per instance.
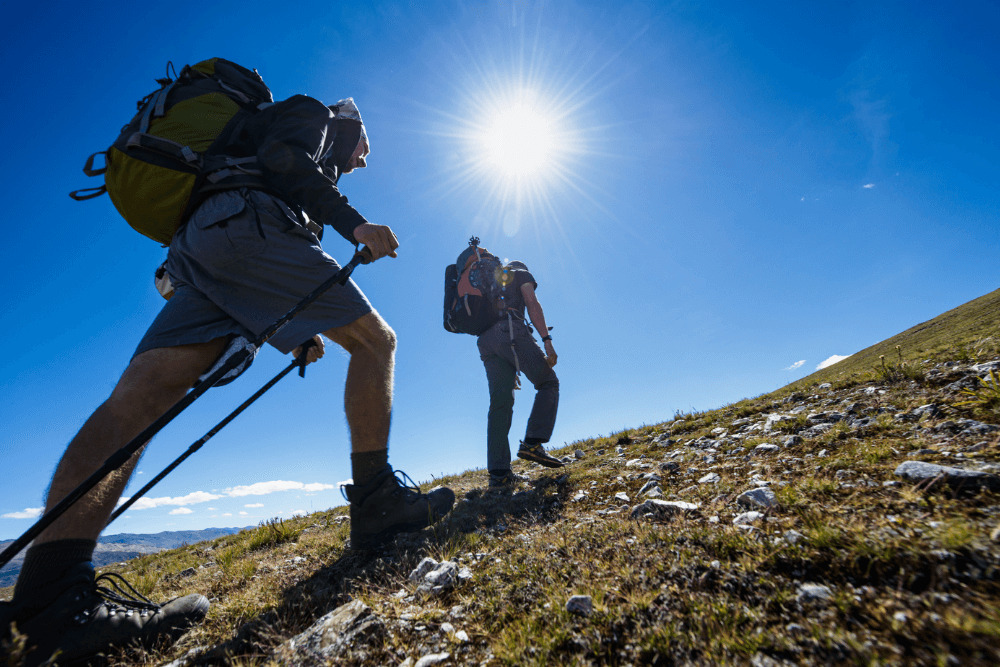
(90, 616)
(537, 454)
(391, 504)
(505, 482)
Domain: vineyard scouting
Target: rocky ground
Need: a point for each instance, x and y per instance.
(846, 523)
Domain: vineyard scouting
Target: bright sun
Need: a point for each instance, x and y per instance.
(519, 138)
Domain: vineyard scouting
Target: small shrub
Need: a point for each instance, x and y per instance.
(984, 400)
(271, 533)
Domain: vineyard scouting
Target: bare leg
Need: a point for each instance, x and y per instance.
(368, 391)
(153, 381)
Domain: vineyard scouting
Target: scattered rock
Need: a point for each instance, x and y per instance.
(958, 479)
(344, 628)
(425, 566)
(793, 537)
(433, 578)
(649, 486)
(762, 497)
(661, 508)
(747, 518)
(580, 604)
(765, 448)
(929, 410)
(432, 659)
(813, 593)
(710, 478)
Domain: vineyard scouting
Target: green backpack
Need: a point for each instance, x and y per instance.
(167, 159)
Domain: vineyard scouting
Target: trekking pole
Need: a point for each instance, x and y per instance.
(120, 457)
(300, 361)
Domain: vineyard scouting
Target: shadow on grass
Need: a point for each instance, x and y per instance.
(340, 581)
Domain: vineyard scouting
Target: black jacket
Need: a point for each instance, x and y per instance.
(296, 145)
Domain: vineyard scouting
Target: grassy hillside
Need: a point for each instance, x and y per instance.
(834, 558)
(971, 331)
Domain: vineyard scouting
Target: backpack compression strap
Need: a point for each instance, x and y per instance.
(88, 169)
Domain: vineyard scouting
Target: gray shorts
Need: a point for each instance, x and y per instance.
(242, 261)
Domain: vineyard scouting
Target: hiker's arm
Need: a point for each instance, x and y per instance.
(538, 320)
(293, 139)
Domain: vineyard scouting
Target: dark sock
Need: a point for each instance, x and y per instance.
(366, 465)
(46, 563)
(531, 442)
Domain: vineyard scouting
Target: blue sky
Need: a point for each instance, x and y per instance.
(729, 194)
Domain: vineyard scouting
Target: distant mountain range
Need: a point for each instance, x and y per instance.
(125, 546)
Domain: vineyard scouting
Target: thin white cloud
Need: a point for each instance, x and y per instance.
(868, 186)
(264, 488)
(254, 505)
(190, 499)
(195, 497)
(26, 513)
(182, 510)
(797, 364)
(227, 514)
(298, 513)
(831, 360)
(242, 513)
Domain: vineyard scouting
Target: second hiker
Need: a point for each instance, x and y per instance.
(507, 348)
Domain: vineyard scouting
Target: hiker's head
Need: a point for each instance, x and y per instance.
(350, 146)
(470, 253)
(516, 265)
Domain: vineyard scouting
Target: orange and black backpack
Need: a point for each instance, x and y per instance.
(474, 291)
(169, 157)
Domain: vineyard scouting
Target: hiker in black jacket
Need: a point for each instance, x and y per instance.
(507, 349)
(241, 261)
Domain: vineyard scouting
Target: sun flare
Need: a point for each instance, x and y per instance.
(518, 133)
(520, 138)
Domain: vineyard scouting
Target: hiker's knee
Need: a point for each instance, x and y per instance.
(549, 384)
(369, 333)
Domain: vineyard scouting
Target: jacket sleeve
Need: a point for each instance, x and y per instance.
(293, 136)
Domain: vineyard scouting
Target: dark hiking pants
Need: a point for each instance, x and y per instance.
(499, 358)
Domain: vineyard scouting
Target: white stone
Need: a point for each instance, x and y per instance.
(747, 518)
(759, 497)
(810, 592)
(432, 659)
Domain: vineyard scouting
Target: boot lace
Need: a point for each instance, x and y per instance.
(119, 596)
(411, 490)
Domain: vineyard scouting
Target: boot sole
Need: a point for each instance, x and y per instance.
(547, 461)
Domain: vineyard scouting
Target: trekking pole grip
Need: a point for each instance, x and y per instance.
(300, 360)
